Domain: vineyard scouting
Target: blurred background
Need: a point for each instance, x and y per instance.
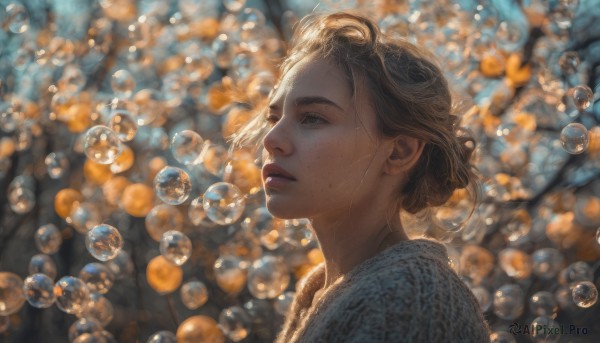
(125, 217)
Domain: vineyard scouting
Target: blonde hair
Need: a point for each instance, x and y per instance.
(408, 92)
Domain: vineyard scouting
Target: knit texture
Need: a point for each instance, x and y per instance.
(406, 293)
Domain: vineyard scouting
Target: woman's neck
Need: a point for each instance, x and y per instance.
(354, 239)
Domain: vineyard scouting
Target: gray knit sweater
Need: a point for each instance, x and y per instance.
(406, 293)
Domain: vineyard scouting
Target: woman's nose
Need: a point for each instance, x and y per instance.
(277, 141)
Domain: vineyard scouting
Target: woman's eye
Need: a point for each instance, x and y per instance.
(312, 119)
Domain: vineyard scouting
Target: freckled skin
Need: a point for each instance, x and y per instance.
(337, 158)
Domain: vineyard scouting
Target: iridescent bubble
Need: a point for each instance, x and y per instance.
(21, 200)
(483, 297)
(569, 62)
(43, 264)
(574, 138)
(234, 5)
(508, 302)
(543, 304)
(72, 294)
(193, 294)
(176, 247)
(83, 326)
(122, 83)
(268, 277)
(57, 164)
(235, 323)
(48, 239)
(187, 147)
(99, 308)
(585, 294)
(149, 105)
(12, 295)
(298, 232)
(102, 145)
(103, 242)
(39, 290)
(546, 330)
(161, 219)
(223, 203)
(172, 185)
(17, 17)
(98, 277)
(230, 275)
(547, 262)
(269, 230)
(121, 266)
(283, 303)
(196, 211)
(84, 217)
(162, 337)
(583, 97)
(123, 124)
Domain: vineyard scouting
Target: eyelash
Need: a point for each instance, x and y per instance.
(272, 119)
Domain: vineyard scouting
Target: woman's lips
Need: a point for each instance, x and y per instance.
(275, 176)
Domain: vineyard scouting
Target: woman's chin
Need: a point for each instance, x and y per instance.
(281, 210)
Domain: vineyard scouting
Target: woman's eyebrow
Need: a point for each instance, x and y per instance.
(309, 100)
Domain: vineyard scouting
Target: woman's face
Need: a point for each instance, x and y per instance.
(326, 142)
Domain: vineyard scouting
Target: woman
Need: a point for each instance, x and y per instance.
(359, 127)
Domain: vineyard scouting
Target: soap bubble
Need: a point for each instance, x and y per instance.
(176, 247)
(172, 185)
(39, 290)
(149, 105)
(43, 264)
(161, 219)
(283, 302)
(17, 17)
(223, 48)
(229, 274)
(72, 294)
(196, 211)
(124, 161)
(57, 164)
(583, 97)
(122, 83)
(83, 326)
(545, 330)
(574, 138)
(84, 217)
(585, 294)
(12, 295)
(199, 329)
(162, 337)
(224, 203)
(298, 232)
(99, 308)
(123, 124)
(215, 158)
(121, 266)
(543, 304)
(515, 263)
(163, 276)
(193, 294)
(260, 310)
(98, 277)
(102, 145)
(508, 302)
(268, 277)
(187, 147)
(234, 5)
(575, 272)
(103, 242)
(547, 262)
(569, 62)
(48, 239)
(235, 323)
(269, 230)
(21, 200)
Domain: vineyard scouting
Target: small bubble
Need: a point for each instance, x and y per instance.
(48, 239)
(176, 247)
(187, 147)
(39, 290)
(102, 145)
(17, 18)
(72, 294)
(193, 294)
(122, 83)
(172, 185)
(574, 138)
(103, 242)
(585, 294)
(123, 124)
(224, 203)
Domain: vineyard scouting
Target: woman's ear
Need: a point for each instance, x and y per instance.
(405, 152)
